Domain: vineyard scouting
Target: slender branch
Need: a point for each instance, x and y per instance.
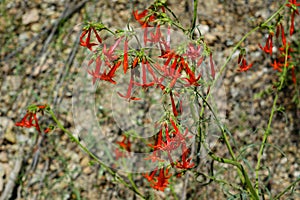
(287, 188)
(263, 143)
(194, 17)
(109, 170)
(241, 168)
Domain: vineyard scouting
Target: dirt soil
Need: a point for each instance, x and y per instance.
(40, 59)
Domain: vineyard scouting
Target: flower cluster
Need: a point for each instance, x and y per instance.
(30, 119)
(284, 57)
(166, 71)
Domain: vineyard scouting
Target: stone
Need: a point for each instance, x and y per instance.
(85, 161)
(3, 157)
(30, 17)
(36, 27)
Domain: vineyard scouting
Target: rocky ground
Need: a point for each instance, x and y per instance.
(40, 59)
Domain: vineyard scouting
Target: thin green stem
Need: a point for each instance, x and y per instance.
(109, 170)
(194, 17)
(287, 188)
(241, 173)
(263, 143)
(241, 168)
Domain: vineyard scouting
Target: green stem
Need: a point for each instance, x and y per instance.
(240, 168)
(215, 81)
(265, 137)
(109, 170)
(194, 17)
(286, 189)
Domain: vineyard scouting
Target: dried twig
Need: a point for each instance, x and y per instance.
(13, 177)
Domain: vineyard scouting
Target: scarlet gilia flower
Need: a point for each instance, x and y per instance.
(145, 66)
(150, 177)
(155, 38)
(128, 95)
(28, 121)
(161, 181)
(125, 144)
(185, 163)
(244, 66)
(279, 29)
(277, 66)
(106, 76)
(148, 15)
(294, 8)
(109, 53)
(192, 80)
(269, 44)
(125, 58)
(87, 43)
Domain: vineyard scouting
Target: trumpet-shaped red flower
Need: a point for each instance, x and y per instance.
(150, 177)
(125, 58)
(144, 84)
(276, 66)
(294, 7)
(269, 44)
(87, 42)
(244, 66)
(162, 180)
(192, 80)
(105, 76)
(28, 121)
(128, 95)
(280, 28)
(109, 54)
(125, 143)
(185, 163)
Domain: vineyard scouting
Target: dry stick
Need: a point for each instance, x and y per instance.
(67, 13)
(46, 31)
(13, 177)
(65, 71)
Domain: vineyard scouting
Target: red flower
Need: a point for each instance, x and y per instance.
(86, 43)
(185, 163)
(243, 66)
(125, 60)
(294, 7)
(144, 83)
(276, 66)
(151, 176)
(110, 52)
(155, 38)
(106, 77)
(269, 44)
(192, 80)
(128, 95)
(125, 143)
(278, 29)
(161, 181)
(28, 120)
